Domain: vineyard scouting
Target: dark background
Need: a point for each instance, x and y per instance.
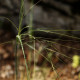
(47, 14)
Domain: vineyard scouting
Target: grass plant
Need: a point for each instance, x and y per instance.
(33, 39)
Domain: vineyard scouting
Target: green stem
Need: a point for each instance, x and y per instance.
(34, 57)
(19, 38)
(16, 70)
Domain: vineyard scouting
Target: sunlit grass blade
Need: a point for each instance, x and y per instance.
(16, 62)
(45, 58)
(56, 50)
(61, 44)
(60, 34)
(10, 22)
(24, 28)
(19, 38)
(21, 15)
(32, 7)
(6, 42)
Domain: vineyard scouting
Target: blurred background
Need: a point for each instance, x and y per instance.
(59, 22)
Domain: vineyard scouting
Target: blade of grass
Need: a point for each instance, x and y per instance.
(21, 16)
(45, 58)
(10, 22)
(19, 38)
(32, 7)
(6, 42)
(47, 31)
(61, 44)
(16, 65)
